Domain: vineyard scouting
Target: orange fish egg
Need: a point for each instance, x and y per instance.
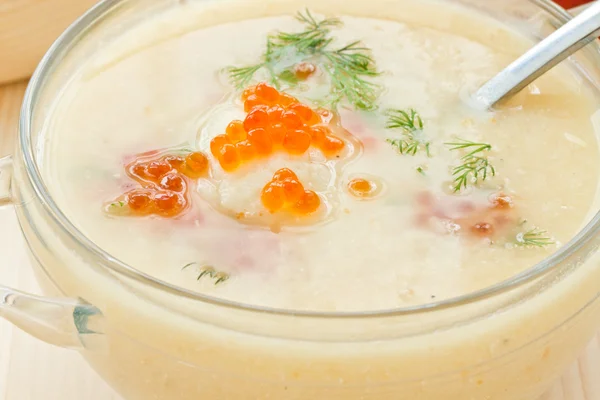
(138, 170)
(318, 135)
(293, 190)
(173, 182)
(304, 70)
(308, 204)
(291, 120)
(217, 143)
(275, 113)
(248, 92)
(196, 165)
(251, 102)
(277, 133)
(360, 187)
(157, 169)
(229, 159)
(332, 145)
(139, 201)
(169, 203)
(273, 196)
(245, 150)
(285, 173)
(175, 162)
(304, 112)
(257, 118)
(267, 93)
(261, 141)
(296, 142)
(286, 100)
(235, 131)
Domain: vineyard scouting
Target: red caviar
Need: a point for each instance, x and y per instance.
(277, 132)
(169, 203)
(286, 192)
(157, 169)
(217, 143)
(273, 196)
(332, 145)
(360, 187)
(172, 181)
(228, 157)
(318, 135)
(257, 118)
(235, 131)
(164, 184)
(245, 150)
(308, 204)
(275, 121)
(139, 200)
(293, 189)
(284, 173)
(261, 140)
(196, 165)
(267, 93)
(304, 70)
(251, 102)
(296, 142)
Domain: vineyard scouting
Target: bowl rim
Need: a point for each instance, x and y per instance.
(35, 87)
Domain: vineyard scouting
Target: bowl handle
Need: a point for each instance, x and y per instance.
(69, 323)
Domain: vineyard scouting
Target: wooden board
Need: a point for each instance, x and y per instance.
(32, 370)
(28, 28)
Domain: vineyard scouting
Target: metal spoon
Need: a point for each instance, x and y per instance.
(574, 35)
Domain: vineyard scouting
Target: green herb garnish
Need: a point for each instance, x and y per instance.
(117, 204)
(534, 238)
(209, 271)
(347, 67)
(475, 165)
(411, 123)
(409, 120)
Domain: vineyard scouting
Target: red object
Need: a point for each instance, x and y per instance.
(571, 3)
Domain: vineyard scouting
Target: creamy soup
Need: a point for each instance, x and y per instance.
(262, 160)
(411, 242)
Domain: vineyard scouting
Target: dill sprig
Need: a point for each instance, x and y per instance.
(409, 120)
(347, 67)
(534, 238)
(474, 167)
(411, 123)
(211, 272)
(241, 77)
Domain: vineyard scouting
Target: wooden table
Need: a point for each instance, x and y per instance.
(32, 370)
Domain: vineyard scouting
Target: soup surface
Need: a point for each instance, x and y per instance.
(357, 178)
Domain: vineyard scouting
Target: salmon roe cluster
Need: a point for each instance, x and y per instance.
(164, 184)
(285, 192)
(275, 121)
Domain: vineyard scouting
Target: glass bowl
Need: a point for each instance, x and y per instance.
(152, 340)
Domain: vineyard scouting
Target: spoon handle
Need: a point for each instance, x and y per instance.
(571, 37)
